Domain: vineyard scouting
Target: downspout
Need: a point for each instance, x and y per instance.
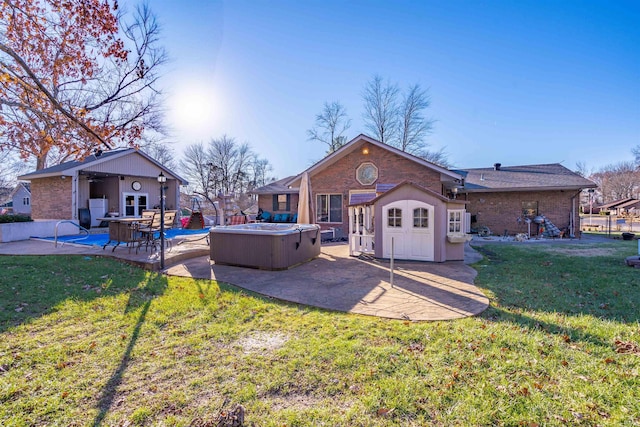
(572, 216)
(74, 196)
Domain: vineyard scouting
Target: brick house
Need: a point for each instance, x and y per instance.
(375, 194)
(122, 182)
(502, 198)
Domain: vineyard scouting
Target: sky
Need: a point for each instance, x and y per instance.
(515, 82)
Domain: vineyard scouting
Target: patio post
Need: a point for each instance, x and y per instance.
(162, 180)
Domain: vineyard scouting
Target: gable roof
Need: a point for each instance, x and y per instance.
(94, 159)
(358, 142)
(25, 185)
(621, 203)
(277, 187)
(552, 176)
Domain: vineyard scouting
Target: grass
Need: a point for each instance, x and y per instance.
(88, 341)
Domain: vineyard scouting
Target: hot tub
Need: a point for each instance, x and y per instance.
(264, 245)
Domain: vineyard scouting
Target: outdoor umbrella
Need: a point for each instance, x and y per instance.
(304, 199)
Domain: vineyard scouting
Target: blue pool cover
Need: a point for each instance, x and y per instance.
(102, 238)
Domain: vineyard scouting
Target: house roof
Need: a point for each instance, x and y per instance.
(25, 185)
(629, 204)
(621, 203)
(277, 187)
(552, 176)
(412, 184)
(94, 159)
(358, 142)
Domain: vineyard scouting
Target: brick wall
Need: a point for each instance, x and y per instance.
(500, 211)
(51, 198)
(265, 201)
(340, 177)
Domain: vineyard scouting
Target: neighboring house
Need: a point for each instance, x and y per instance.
(386, 200)
(21, 199)
(119, 182)
(626, 206)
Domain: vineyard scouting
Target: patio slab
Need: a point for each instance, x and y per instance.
(362, 285)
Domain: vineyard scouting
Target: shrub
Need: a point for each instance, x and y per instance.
(14, 218)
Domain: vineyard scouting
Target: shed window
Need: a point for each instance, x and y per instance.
(456, 218)
(420, 218)
(394, 218)
(329, 207)
(26, 201)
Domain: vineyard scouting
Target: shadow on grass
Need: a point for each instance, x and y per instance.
(34, 286)
(141, 298)
(585, 280)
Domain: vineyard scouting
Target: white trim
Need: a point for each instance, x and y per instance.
(136, 205)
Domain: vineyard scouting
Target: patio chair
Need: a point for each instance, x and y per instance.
(148, 231)
(169, 219)
(155, 231)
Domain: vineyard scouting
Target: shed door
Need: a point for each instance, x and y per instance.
(410, 224)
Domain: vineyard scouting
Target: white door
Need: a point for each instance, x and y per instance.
(410, 224)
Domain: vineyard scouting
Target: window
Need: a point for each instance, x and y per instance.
(455, 221)
(420, 218)
(26, 201)
(329, 207)
(394, 218)
(281, 202)
(134, 204)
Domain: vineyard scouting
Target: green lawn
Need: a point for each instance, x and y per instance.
(86, 341)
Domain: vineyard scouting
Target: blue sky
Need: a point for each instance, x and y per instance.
(515, 82)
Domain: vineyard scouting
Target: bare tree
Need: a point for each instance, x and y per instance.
(381, 109)
(163, 153)
(331, 123)
(618, 181)
(439, 157)
(401, 124)
(583, 170)
(224, 166)
(636, 153)
(414, 126)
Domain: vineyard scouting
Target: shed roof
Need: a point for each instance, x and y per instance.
(411, 184)
(551, 176)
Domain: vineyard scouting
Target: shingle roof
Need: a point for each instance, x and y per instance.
(616, 203)
(277, 187)
(73, 163)
(552, 176)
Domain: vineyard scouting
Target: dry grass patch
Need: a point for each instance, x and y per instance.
(262, 342)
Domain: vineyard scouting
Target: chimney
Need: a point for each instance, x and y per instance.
(496, 166)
